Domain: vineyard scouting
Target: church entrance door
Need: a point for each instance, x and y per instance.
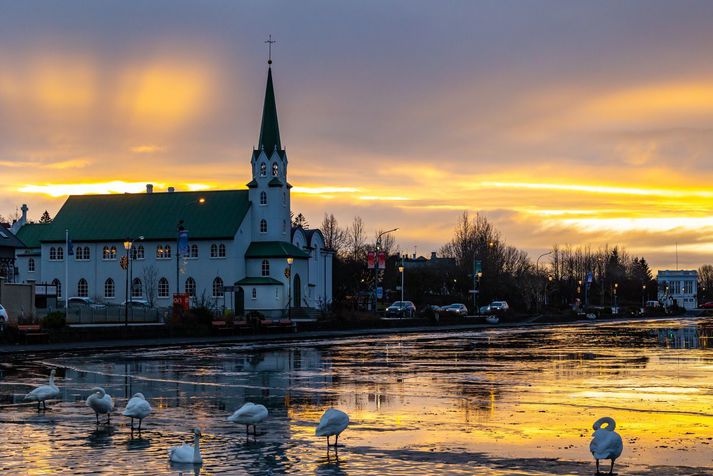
(239, 301)
(297, 291)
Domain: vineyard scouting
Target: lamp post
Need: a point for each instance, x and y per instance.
(401, 270)
(643, 297)
(127, 246)
(537, 274)
(180, 228)
(616, 286)
(290, 260)
(376, 264)
(549, 280)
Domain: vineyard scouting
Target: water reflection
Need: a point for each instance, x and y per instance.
(494, 402)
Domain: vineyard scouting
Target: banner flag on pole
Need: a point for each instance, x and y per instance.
(183, 243)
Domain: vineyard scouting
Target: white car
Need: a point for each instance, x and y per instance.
(499, 306)
(3, 315)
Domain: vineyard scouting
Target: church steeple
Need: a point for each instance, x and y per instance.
(269, 128)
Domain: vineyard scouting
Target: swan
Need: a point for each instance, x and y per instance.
(100, 402)
(249, 414)
(137, 407)
(44, 392)
(187, 453)
(333, 422)
(606, 443)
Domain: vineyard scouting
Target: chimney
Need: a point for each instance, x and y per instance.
(171, 189)
(149, 188)
(433, 255)
(24, 213)
(17, 224)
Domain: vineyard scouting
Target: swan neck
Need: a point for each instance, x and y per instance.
(611, 424)
(51, 380)
(196, 447)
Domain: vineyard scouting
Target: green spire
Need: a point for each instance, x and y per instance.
(269, 129)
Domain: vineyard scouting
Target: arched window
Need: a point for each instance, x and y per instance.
(221, 250)
(60, 253)
(53, 253)
(263, 169)
(263, 198)
(163, 288)
(105, 252)
(56, 282)
(112, 252)
(217, 287)
(136, 288)
(284, 198)
(265, 267)
(159, 252)
(167, 251)
(194, 250)
(263, 226)
(109, 288)
(213, 250)
(275, 170)
(140, 252)
(82, 288)
(254, 293)
(31, 265)
(87, 256)
(191, 287)
(284, 226)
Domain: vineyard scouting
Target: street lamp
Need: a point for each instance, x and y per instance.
(127, 246)
(180, 228)
(401, 270)
(643, 297)
(549, 280)
(616, 286)
(290, 260)
(537, 274)
(376, 264)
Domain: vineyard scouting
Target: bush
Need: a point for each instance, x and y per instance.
(54, 320)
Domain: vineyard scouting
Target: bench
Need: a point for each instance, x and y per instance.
(32, 334)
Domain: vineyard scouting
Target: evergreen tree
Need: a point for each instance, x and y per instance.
(45, 218)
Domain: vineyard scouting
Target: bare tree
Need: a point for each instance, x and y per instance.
(356, 239)
(334, 237)
(150, 284)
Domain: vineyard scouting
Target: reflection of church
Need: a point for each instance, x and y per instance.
(242, 251)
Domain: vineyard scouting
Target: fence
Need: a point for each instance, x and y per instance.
(111, 315)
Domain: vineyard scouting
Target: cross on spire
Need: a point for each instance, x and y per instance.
(269, 42)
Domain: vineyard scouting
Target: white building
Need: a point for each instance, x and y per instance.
(679, 287)
(240, 243)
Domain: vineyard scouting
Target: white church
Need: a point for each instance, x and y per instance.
(242, 252)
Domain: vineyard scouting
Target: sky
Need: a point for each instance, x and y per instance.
(578, 123)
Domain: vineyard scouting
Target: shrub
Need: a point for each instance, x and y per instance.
(54, 320)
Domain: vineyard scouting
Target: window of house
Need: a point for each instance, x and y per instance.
(284, 226)
(191, 287)
(221, 250)
(53, 253)
(265, 267)
(163, 288)
(213, 250)
(87, 256)
(275, 170)
(140, 252)
(194, 250)
(109, 288)
(60, 253)
(263, 169)
(263, 226)
(284, 198)
(105, 252)
(112, 252)
(31, 265)
(58, 285)
(159, 251)
(136, 288)
(217, 287)
(254, 293)
(82, 288)
(263, 198)
(167, 251)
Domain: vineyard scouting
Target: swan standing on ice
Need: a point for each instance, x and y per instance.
(187, 453)
(44, 392)
(100, 402)
(606, 443)
(249, 414)
(333, 422)
(137, 407)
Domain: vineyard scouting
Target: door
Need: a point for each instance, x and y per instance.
(297, 292)
(239, 301)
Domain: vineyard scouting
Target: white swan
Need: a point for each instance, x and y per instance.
(137, 407)
(187, 453)
(333, 422)
(101, 403)
(606, 443)
(249, 414)
(44, 392)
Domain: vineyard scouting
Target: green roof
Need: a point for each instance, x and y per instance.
(154, 216)
(258, 281)
(32, 233)
(275, 182)
(274, 249)
(269, 128)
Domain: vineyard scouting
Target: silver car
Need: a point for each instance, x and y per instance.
(455, 309)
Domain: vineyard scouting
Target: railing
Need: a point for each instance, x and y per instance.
(111, 315)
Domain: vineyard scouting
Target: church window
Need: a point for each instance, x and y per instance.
(265, 267)
(56, 282)
(213, 250)
(284, 198)
(263, 169)
(31, 265)
(159, 251)
(254, 293)
(263, 226)
(263, 198)
(112, 252)
(277, 294)
(140, 252)
(109, 288)
(167, 251)
(191, 287)
(163, 288)
(221, 250)
(136, 288)
(105, 252)
(284, 226)
(60, 253)
(275, 170)
(194, 250)
(82, 288)
(217, 287)
(53, 254)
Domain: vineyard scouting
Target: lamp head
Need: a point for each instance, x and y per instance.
(401, 269)
(127, 245)
(290, 260)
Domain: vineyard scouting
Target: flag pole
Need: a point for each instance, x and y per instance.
(66, 271)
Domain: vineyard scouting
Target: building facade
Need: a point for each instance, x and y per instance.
(241, 253)
(678, 287)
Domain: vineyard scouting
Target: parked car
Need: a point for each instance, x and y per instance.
(455, 309)
(85, 301)
(3, 316)
(499, 306)
(707, 305)
(401, 309)
(137, 303)
(484, 309)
